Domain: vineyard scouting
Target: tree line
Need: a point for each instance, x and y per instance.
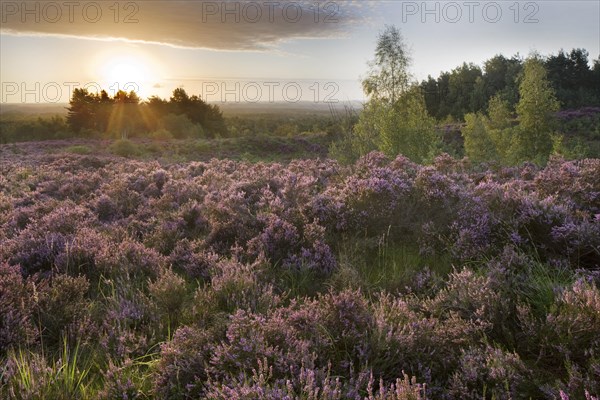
(509, 110)
(469, 88)
(124, 115)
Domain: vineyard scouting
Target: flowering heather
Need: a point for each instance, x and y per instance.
(230, 279)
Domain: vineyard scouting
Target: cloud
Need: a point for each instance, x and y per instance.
(219, 25)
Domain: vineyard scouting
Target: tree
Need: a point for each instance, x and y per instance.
(408, 129)
(395, 118)
(103, 111)
(388, 76)
(479, 146)
(125, 117)
(499, 113)
(461, 89)
(572, 78)
(82, 110)
(500, 76)
(536, 108)
(499, 126)
(208, 116)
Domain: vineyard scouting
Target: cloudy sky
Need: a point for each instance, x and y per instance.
(263, 50)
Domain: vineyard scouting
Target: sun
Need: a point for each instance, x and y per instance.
(125, 67)
(126, 70)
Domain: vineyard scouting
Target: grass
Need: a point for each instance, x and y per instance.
(542, 284)
(389, 266)
(68, 377)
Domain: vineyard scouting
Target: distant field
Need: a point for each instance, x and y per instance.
(228, 108)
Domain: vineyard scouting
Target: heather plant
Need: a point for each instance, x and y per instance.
(128, 379)
(314, 384)
(303, 278)
(169, 293)
(405, 339)
(18, 325)
(565, 340)
(235, 286)
(490, 372)
(472, 297)
(189, 258)
(126, 320)
(60, 307)
(131, 259)
(181, 370)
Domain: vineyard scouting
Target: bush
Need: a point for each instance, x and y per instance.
(161, 135)
(124, 148)
(181, 127)
(80, 149)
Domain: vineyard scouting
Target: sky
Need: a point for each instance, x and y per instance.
(250, 51)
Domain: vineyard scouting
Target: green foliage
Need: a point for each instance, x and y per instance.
(536, 109)
(366, 131)
(198, 112)
(395, 119)
(467, 89)
(407, 129)
(124, 115)
(20, 129)
(388, 77)
(479, 146)
(572, 78)
(499, 113)
(30, 376)
(161, 135)
(124, 148)
(181, 127)
(499, 128)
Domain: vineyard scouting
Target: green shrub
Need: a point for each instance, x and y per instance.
(161, 135)
(79, 149)
(124, 148)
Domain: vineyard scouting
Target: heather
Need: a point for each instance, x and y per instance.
(126, 277)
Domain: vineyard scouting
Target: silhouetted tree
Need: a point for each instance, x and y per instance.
(82, 110)
(125, 118)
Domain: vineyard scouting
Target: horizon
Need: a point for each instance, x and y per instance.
(261, 52)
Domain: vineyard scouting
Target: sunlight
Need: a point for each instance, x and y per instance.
(126, 70)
